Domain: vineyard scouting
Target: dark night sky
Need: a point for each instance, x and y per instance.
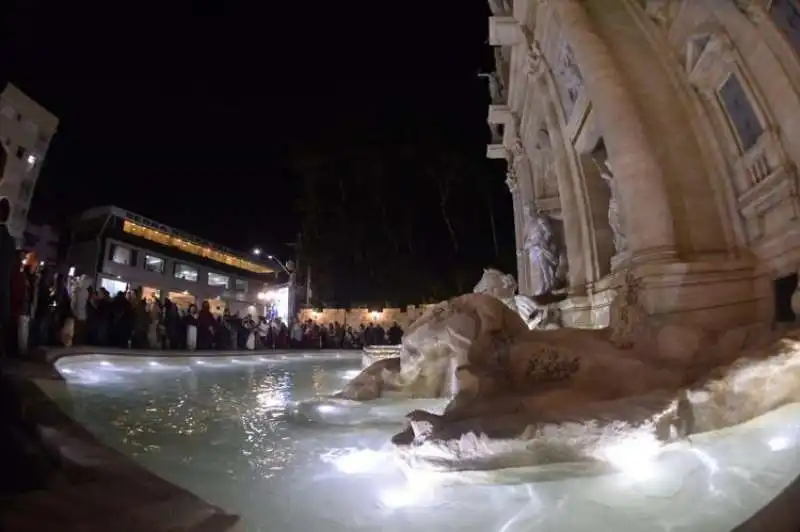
(206, 119)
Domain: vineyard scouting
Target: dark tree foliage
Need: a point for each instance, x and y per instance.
(396, 218)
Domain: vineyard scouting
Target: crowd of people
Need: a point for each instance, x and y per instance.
(52, 309)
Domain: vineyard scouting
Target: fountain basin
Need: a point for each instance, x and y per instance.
(223, 429)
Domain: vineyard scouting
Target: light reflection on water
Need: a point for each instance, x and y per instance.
(220, 430)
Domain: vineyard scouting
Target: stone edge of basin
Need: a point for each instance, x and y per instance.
(781, 514)
(90, 486)
(50, 356)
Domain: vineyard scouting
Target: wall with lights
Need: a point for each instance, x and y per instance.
(186, 246)
(357, 316)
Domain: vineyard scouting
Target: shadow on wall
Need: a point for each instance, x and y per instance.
(783, 289)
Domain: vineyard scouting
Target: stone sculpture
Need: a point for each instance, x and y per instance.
(569, 78)
(542, 250)
(530, 397)
(504, 287)
(615, 218)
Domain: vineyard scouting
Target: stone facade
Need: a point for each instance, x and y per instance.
(660, 135)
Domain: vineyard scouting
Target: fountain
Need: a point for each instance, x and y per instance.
(517, 396)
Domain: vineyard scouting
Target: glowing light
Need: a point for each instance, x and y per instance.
(633, 456)
(350, 374)
(399, 498)
(154, 363)
(419, 487)
(262, 296)
(31, 160)
(271, 400)
(105, 363)
(256, 251)
(375, 314)
(199, 362)
(326, 409)
(780, 443)
(173, 241)
(358, 462)
(71, 272)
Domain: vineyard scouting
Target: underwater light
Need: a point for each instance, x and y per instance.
(351, 374)
(154, 363)
(633, 456)
(779, 443)
(326, 409)
(399, 498)
(359, 462)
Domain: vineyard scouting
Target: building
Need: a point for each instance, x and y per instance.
(658, 137)
(26, 130)
(121, 249)
(43, 241)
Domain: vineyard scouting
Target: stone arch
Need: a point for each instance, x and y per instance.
(575, 226)
(640, 174)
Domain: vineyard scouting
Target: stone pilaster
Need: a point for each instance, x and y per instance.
(523, 274)
(630, 151)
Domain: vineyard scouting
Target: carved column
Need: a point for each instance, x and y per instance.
(519, 228)
(570, 209)
(642, 189)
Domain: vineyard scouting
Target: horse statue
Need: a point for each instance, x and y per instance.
(517, 396)
(503, 286)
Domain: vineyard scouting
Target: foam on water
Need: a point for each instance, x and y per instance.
(250, 434)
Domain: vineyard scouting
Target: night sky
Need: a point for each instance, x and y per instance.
(342, 121)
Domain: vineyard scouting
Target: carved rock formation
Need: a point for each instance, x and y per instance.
(518, 394)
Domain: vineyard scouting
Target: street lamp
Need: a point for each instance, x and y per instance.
(275, 259)
(256, 251)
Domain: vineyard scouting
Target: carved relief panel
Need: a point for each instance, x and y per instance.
(566, 74)
(760, 168)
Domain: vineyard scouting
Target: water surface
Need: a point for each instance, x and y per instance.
(219, 427)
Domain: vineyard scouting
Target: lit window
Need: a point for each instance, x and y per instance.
(121, 255)
(241, 285)
(216, 279)
(186, 272)
(154, 264)
(113, 285)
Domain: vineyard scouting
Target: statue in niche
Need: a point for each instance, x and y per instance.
(543, 251)
(615, 217)
(511, 180)
(497, 91)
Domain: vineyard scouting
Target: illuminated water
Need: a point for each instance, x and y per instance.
(219, 428)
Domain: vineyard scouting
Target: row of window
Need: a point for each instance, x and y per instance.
(152, 263)
(785, 14)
